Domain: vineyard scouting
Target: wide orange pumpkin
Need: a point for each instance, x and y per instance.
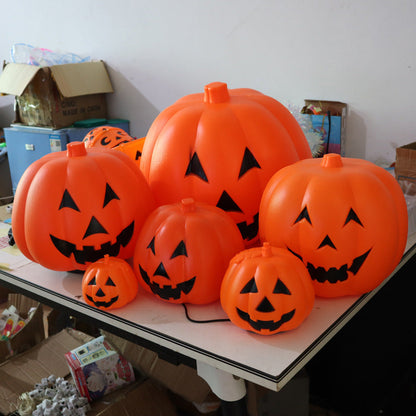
(267, 290)
(73, 207)
(345, 218)
(109, 283)
(183, 251)
(221, 147)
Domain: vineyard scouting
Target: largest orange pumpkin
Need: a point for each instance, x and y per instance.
(221, 147)
(71, 208)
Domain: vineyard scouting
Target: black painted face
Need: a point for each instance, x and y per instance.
(265, 307)
(89, 253)
(332, 275)
(248, 229)
(166, 289)
(97, 297)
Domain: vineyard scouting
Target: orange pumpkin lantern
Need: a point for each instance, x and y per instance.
(71, 208)
(133, 149)
(267, 290)
(106, 136)
(183, 251)
(345, 218)
(109, 283)
(221, 147)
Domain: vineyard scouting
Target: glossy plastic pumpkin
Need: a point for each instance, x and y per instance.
(267, 290)
(108, 137)
(221, 147)
(345, 218)
(73, 207)
(183, 251)
(133, 149)
(109, 283)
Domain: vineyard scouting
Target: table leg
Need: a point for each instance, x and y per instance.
(230, 389)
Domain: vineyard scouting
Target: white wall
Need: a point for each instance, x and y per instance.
(362, 52)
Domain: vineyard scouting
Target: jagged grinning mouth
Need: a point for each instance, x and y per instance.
(89, 253)
(249, 231)
(269, 325)
(168, 292)
(333, 274)
(102, 304)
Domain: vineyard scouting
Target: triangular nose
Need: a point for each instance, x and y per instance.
(100, 293)
(265, 306)
(226, 203)
(327, 242)
(94, 227)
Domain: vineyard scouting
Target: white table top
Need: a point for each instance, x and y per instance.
(270, 361)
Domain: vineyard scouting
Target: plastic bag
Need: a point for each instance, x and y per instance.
(23, 53)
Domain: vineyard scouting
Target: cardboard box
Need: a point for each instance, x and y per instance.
(59, 95)
(405, 168)
(23, 371)
(328, 118)
(144, 398)
(179, 379)
(32, 333)
(98, 369)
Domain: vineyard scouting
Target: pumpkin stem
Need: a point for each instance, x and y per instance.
(76, 149)
(216, 92)
(332, 160)
(266, 250)
(188, 205)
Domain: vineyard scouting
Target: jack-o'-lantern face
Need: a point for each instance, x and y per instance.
(183, 251)
(83, 205)
(109, 283)
(227, 144)
(266, 290)
(346, 219)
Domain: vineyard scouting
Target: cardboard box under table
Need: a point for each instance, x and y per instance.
(59, 95)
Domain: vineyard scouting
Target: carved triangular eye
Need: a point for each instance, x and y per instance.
(304, 215)
(180, 250)
(250, 287)
(109, 282)
(352, 216)
(68, 202)
(249, 162)
(195, 168)
(152, 245)
(92, 282)
(109, 195)
(281, 288)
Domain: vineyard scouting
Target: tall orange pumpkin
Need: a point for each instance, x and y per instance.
(183, 251)
(345, 218)
(73, 207)
(221, 147)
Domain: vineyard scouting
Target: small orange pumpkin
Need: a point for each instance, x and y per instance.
(267, 290)
(106, 136)
(221, 147)
(109, 283)
(73, 207)
(133, 149)
(183, 251)
(345, 218)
